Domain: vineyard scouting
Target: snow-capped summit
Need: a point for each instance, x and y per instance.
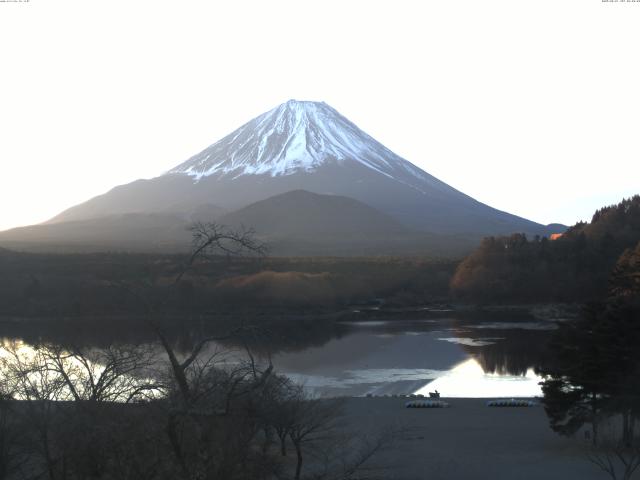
(297, 136)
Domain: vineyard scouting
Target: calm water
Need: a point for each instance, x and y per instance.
(457, 358)
(486, 356)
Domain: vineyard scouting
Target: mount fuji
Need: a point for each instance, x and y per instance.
(297, 137)
(298, 146)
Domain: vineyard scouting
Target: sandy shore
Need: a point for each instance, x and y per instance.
(470, 441)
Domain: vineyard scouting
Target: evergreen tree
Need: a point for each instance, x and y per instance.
(595, 361)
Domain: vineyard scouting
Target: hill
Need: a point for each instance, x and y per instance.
(575, 267)
(294, 223)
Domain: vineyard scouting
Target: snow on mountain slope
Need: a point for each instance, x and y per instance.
(297, 136)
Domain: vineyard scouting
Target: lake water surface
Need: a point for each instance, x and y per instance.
(455, 357)
(487, 355)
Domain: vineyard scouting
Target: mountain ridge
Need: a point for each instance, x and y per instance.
(297, 146)
(297, 223)
(340, 159)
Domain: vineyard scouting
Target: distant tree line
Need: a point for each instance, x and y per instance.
(573, 268)
(82, 285)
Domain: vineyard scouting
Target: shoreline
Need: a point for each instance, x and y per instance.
(468, 440)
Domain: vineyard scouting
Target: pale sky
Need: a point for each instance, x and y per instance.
(531, 106)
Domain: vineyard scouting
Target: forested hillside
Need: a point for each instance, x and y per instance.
(575, 267)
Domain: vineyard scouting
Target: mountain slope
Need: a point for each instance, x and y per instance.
(300, 137)
(306, 146)
(293, 223)
(127, 232)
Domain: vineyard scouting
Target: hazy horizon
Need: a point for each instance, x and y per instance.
(530, 117)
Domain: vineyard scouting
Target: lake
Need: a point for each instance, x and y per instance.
(457, 358)
(481, 355)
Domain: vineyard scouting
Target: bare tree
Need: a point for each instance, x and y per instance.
(207, 239)
(618, 461)
(32, 381)
(313, 422)
(327, 447)
(280, 412)
(350, 455)
(67, 400)
(12, 456)
(111, 374)
(211, 412)
(204, 390)
(210, 238)
(617, 454)
(283, 406)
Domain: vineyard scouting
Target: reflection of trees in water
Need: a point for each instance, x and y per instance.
(517, 352)
(78, 332)
(290, 336)
(512, 350)
(265, 336)
(594, 374)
